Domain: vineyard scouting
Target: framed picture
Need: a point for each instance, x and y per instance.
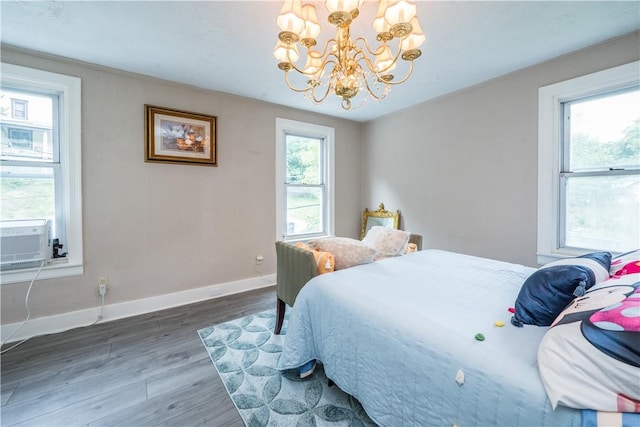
(180, 137)
(381, 217)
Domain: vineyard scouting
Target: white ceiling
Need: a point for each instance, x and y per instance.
(227, 45)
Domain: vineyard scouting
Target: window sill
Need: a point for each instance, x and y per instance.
(307, 237)
(53, 270)
(545, 258)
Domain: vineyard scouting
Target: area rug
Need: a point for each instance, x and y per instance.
(245, 352)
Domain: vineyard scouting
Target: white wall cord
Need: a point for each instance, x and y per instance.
(26, 304)
(101, 310)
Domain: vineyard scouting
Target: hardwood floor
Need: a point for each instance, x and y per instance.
(148, 370)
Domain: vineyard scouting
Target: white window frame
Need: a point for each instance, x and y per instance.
(550, 100)
(68, 89)
(284, 127)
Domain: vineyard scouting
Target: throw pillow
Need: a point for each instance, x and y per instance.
(324, 260)
(548, 291)
(387, 242)
(411, 247)
(346, 251)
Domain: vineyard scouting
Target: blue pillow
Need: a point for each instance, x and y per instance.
(548, 291)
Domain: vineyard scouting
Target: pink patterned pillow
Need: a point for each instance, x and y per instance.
(589, 358)
(626, 263)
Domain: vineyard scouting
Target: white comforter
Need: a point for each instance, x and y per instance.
(396, 333)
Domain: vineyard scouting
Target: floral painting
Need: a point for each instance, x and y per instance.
(180, 136)
(174, 136)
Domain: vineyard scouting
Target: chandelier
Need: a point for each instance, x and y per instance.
(345, 66)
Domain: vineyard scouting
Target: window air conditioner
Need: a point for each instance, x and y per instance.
(24, 242)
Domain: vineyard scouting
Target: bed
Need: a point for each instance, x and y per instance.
(417, 340)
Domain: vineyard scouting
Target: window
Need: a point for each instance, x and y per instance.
(304, 174)
(589, 164)
(21, 138)
(40, 160)
(19, 108)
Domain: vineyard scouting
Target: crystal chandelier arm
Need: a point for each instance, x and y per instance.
(367, 46)
(324, 63)
(367, 60)
(317, 100)
(380, 73)
(393, 82)
(311, 90)
(372, 93)
(327, 47)
(328, 60)
(293, 88)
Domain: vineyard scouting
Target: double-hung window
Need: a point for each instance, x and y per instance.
(304, 174)
(589, 164)
(40, 161)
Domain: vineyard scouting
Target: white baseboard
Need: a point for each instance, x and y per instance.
(75, 319)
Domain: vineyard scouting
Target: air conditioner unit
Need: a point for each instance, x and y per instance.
(24, 242)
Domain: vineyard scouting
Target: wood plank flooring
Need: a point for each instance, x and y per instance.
(148, 370)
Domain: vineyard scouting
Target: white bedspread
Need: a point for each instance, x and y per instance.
(395, 333)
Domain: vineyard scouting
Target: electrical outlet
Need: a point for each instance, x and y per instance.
(103, 285)
(259, 259)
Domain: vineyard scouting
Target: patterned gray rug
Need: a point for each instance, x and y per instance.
(245, 352)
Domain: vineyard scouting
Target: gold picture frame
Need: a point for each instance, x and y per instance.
(179, 137)
(380, 217)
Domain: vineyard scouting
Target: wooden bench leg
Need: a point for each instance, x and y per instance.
(280, 308)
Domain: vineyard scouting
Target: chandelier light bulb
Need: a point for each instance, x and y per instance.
(311, 25)
(290, 17)
(416, 38)
(347, 6)
(380, 24)
(400, 11)
(285, 52)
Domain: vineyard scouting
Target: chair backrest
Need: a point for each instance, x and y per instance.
(417, 239)
(295, 267)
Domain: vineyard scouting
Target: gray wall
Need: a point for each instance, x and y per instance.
(155, 229)
(462, 169)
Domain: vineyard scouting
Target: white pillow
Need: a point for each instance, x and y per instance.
(387, 241)
(347, 252)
